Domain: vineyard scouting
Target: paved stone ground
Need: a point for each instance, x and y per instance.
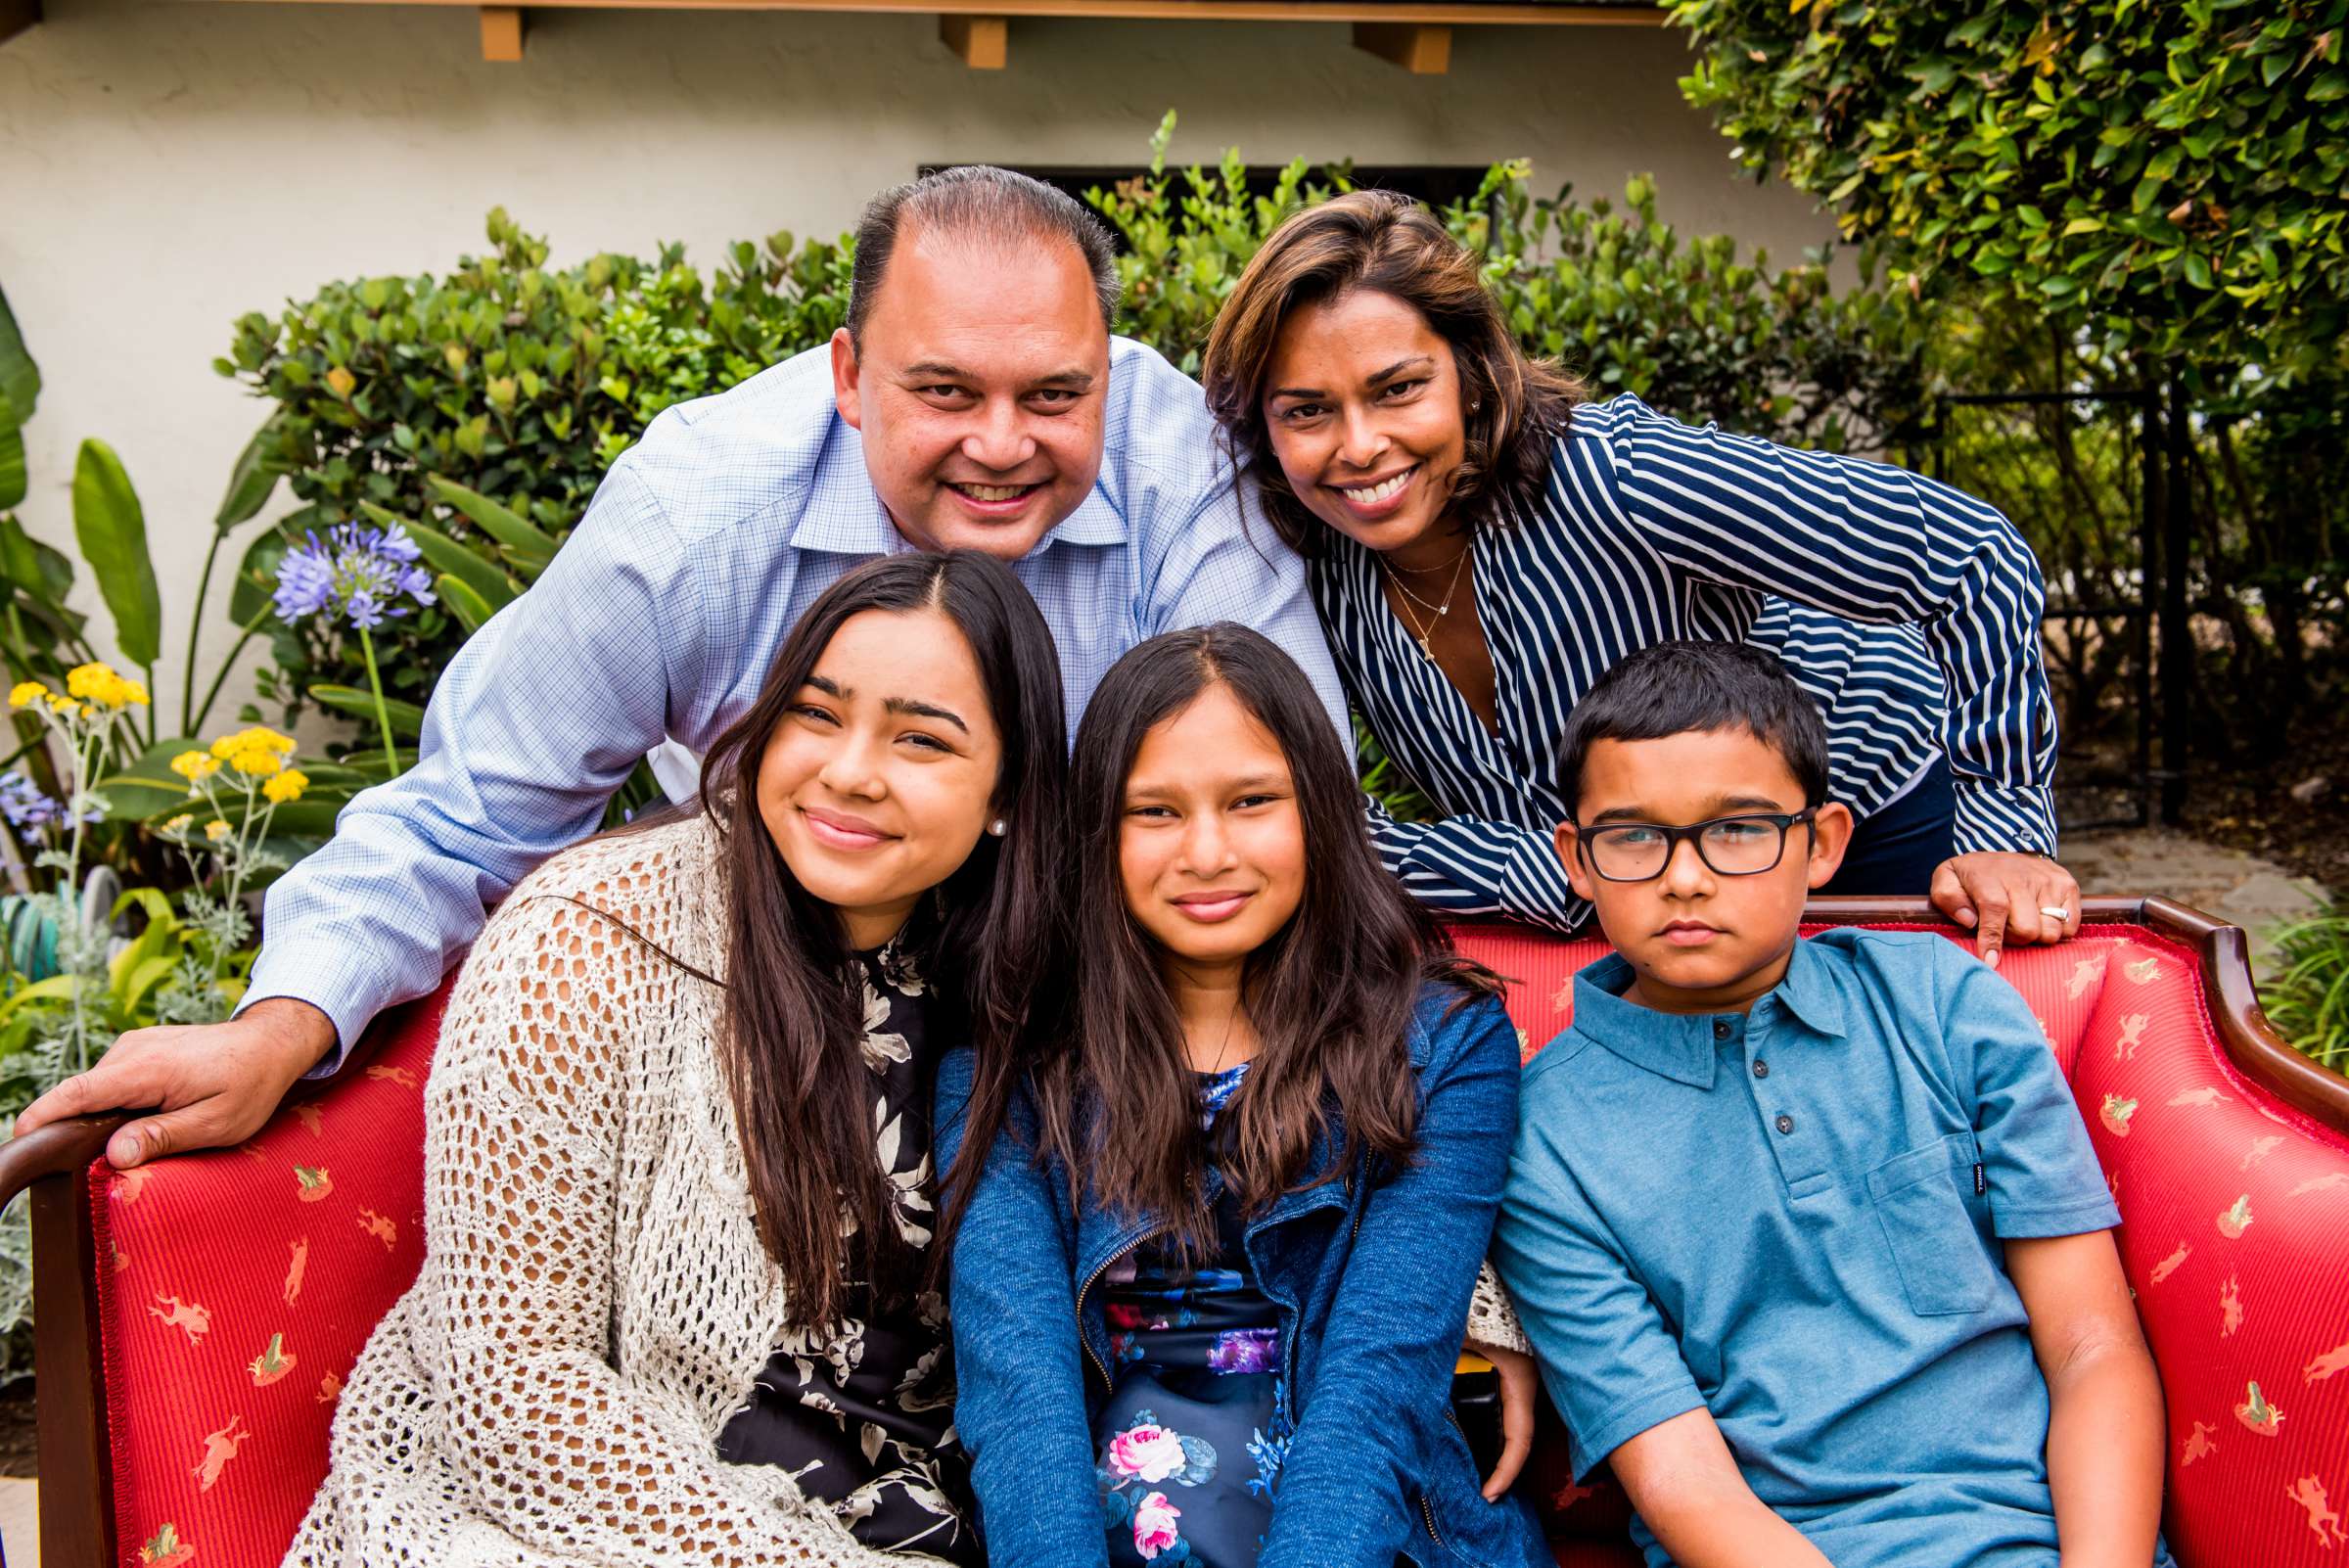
(2239, 888)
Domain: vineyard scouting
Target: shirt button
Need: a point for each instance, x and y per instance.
(1761, 1067)
(1785, 1124)
(1720, 1028)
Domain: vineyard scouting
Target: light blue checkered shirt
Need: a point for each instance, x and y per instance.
(661, 613)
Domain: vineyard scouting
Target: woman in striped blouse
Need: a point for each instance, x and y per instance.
(1483, 544)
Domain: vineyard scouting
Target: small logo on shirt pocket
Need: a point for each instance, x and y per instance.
(1920, 1202)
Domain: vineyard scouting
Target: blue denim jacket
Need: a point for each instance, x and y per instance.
(1373, 1280)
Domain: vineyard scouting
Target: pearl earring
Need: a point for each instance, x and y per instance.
(998, 827)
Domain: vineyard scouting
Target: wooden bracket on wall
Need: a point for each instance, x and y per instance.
(1421, 48)
(501, 33)
(16, 16)
(983, 43)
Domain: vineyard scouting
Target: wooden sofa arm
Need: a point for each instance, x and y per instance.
(52, 1165)
(59, 1149)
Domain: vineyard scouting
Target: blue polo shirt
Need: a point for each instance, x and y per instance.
(1793, 1219)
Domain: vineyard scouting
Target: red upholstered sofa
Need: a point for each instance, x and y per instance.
(196, 1319)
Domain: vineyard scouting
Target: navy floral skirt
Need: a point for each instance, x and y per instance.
(1189, 1446)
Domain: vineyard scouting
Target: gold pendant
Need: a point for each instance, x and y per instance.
(1425, 652)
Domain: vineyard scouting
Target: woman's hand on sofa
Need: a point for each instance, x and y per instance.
(2004, 897)
(210, 1084)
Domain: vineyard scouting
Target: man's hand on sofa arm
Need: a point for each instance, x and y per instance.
(210, 1084)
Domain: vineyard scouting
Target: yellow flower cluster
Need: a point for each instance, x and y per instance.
(194, 766)
(287, 786)
(177, 826)
(98, 683)
(32, 694)
(256, 753)
(215, 830)
(90, 690)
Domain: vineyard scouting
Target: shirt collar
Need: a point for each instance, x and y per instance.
(842, 516)
(1682, 1046)
(1809, 992)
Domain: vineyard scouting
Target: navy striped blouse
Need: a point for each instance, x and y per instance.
(1651, 530)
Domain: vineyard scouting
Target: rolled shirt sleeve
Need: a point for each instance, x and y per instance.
(1467, 865)
(1869, 543)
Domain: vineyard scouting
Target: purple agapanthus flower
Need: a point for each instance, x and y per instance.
(362, 573)
(24, 805)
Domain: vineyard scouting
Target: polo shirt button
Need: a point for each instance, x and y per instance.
(1720, 1028)
(1785, 1124)
(1761, 1067)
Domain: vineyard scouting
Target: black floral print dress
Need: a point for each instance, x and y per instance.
(860, 1411)
(1189, 1446)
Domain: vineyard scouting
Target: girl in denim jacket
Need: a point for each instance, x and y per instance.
(1210, 1282)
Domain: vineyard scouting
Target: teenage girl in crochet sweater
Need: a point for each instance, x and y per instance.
(679, 1203)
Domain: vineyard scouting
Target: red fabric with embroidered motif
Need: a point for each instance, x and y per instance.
(242, 1284)
(2234, 1234)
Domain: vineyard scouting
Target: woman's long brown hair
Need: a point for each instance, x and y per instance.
(1513, 406)
(1331, 995)
(792, 1019)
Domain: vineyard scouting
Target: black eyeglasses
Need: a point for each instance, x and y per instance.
(1742, 846)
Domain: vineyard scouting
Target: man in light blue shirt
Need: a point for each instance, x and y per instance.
(978, 401)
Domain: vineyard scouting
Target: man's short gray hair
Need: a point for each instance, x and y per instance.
(977, 201)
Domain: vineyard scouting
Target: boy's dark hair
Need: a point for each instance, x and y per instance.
(1676, 687)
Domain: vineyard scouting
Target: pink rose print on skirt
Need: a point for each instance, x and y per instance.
(1146, 1453)
(1154, 1529)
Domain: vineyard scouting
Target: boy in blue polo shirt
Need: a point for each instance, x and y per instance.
(1807, 1234)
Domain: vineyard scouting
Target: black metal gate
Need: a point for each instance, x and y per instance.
(2065, 466)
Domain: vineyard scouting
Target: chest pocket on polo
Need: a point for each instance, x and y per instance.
(1925, 1202)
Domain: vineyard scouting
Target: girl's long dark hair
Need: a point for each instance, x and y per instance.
(793, 1018)
(1331, 995)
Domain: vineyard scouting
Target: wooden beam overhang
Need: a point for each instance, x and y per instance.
(1414, 34)
(16, 16)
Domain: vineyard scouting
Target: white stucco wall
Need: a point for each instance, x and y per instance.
(165, 166)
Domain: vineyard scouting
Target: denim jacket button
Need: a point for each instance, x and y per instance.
(1785, 1124)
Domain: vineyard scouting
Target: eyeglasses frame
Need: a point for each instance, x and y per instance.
(1692, 834)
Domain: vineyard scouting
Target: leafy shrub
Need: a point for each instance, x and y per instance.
(519, 382)
(1622, 297)
(2308, 999)
(2169, 177)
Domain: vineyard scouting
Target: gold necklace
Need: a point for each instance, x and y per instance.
(1426, 634)
(1430, 570)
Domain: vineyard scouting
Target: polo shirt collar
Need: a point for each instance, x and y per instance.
(1682, 1046)
(1679, 1047)
(842, 516)
(1809, 992)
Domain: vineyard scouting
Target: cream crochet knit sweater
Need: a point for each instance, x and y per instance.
(594, 1302)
